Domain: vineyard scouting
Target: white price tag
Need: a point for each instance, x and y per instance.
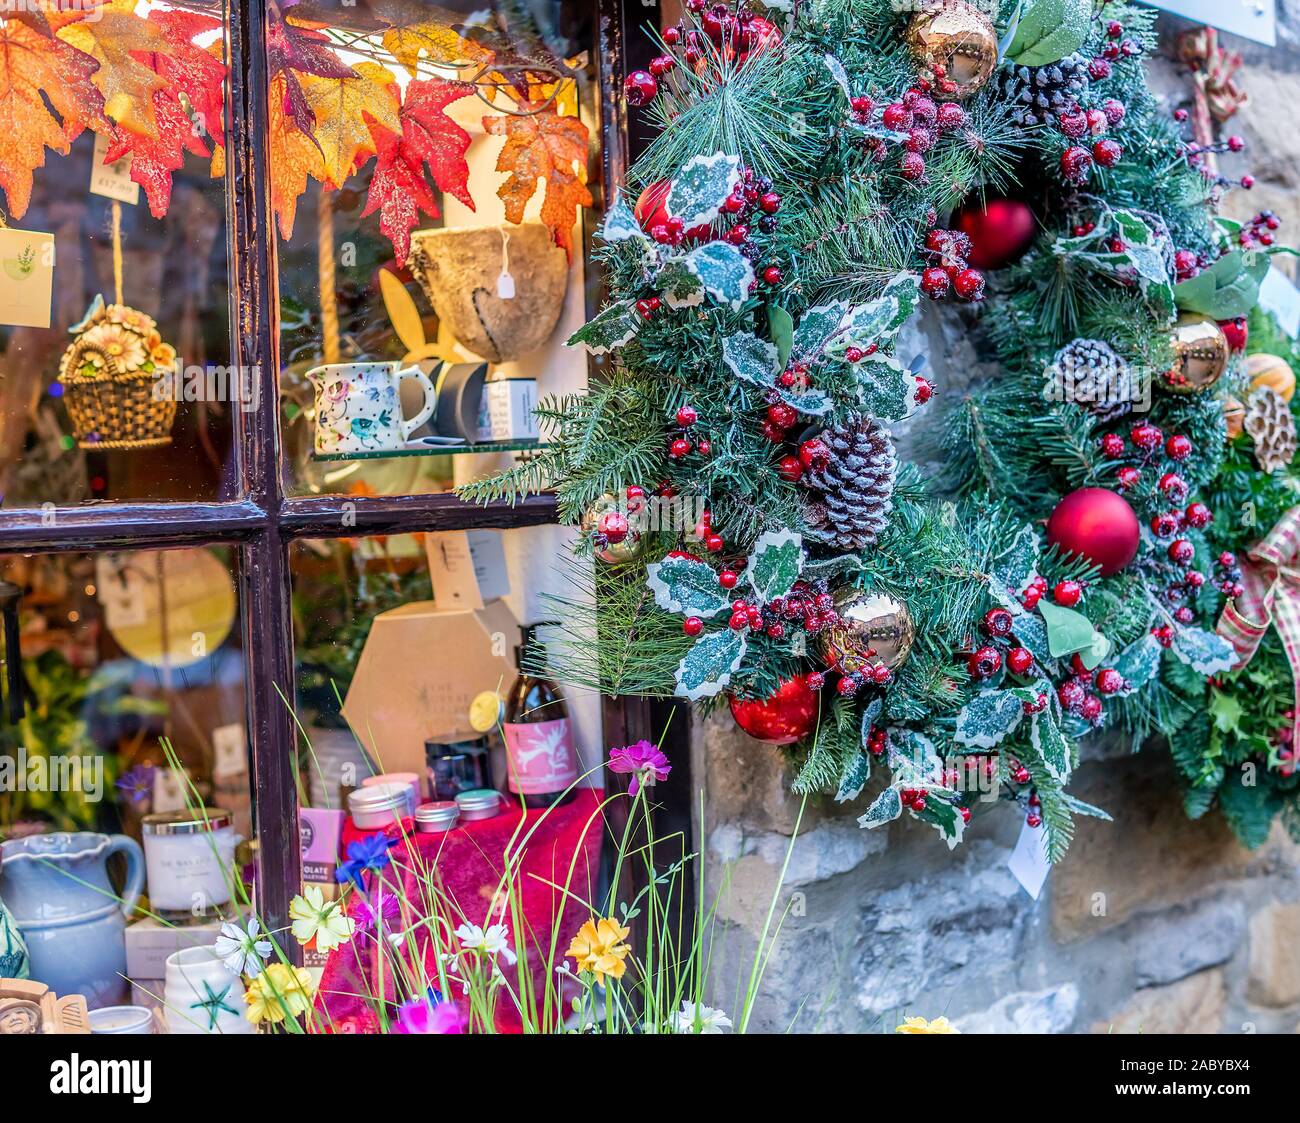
(120, 594)
(113, 181)
(1028, 862)
(169, 789)
(229, 755)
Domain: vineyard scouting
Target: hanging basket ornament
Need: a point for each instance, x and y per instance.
(116, 379)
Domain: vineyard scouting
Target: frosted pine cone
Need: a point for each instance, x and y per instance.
(1041, 93)
(855, 485)
(1089, 373)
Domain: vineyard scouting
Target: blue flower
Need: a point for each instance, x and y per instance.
(365, 854)
(136, 784)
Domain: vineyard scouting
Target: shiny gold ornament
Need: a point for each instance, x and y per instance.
(1271, 371)
(628, 549)
(1200, 355)
(873, 629)
(958, 39)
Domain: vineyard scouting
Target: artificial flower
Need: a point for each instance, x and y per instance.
(423, 1015)
(315, 918)
(240, 949)
(490, 942)
(920, 1025)
(695, 1017)
(644, 760)
(120, 344)
(366, 854)
(136, 784)
(279, 992)
(131, 317)
(599, 947)
(371, 918)
(162, 354)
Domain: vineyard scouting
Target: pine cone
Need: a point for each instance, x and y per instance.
(1041, 93)
(1272, 428)
(1089, 373)
(856, 485)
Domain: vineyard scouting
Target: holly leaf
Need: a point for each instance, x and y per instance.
(945, 817)
(1139, 663)
(608, 330)
(853, 777)
(1067, 631)
(1031, 632)
(706, 669)
(1207, 653)
(292, 156)
(887, 807)
(698, 191)
(988, 718)
(723, 273)
(540, 144)
(750, 359)
(688, 586)
(775, 564)
(915, 761)
(1227, 289)
(1050, 30)
(341, 106)
(816, 327)
(1016, 566)
(880, 320)
(886, 389)
(1051, 746)
(113, 38)
(1226, 712)
(398, 188)
(620, 224)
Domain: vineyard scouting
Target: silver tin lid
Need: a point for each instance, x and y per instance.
(185, 822)
(379, 797)
(433, 817)
(479, 799)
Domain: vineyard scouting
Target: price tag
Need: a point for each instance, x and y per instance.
(113, 181)
(228, 750)
(1028, 862)
(121, 595)
(26, 277)
(169, 788)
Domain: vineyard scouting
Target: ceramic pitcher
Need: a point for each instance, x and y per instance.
(358, 408)
(58, 890)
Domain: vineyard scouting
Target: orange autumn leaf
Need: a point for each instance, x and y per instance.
(111, 37)
(338, 105)
(292, 157)
(545, 146)
(438, 42)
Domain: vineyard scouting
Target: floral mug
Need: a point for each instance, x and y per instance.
(358, 408)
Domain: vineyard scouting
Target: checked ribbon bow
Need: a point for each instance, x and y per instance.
(1271, 580)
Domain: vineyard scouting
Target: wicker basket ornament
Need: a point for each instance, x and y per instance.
(114, 376)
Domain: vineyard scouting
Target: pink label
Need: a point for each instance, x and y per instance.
(541, 756)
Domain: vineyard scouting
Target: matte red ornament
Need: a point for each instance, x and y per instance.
(1097, 525)
(787, 715)
(1000, 231)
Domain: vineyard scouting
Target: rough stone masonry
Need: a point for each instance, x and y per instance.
(1152, 924)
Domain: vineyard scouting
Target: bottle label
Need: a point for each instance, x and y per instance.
(540, 756)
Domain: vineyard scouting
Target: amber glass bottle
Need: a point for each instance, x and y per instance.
(541, 760)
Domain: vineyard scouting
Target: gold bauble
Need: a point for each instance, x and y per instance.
(873, 629)
(1234, 414)
(1200, 355)
(1273, 372)
(957, 38)
(615, 553)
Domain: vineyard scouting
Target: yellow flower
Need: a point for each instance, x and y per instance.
(314, 918)
(277, 993)
(920, 1025)
(162, 354)
(124, 347)
(599, 948)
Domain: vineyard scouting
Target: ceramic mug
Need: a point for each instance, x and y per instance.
(202, 995)
(358, 408)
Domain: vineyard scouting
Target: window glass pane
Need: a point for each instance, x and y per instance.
(114, 330)
(417, 262)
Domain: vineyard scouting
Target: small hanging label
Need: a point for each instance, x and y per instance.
(169, 790)
(1028, 862)
(113, 181)
(26, 277)
(506, 286)
(229, 757)
(121, 595)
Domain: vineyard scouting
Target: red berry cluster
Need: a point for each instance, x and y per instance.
(753, 205)
(728, 35)
(704, 532)
(1259, 231)
(1228, 575)
(1164, 634)
(1284, 738)
(685, 442)
(1086, 128)
(913, 798)
(877, 741)
(1196, 155)
(1147, 439)
(1082, 691)
(917, 116)
(949, 270)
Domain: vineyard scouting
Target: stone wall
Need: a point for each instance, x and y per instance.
(1151, 924)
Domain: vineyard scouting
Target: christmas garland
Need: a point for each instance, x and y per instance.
(821, 169)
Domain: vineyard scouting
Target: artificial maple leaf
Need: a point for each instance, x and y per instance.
(153, 159)
(398, 188)
(543, 145)
(439, 42)
(338, 106)
(197, 72)
(113, 38)
(292, 156)
(292, 51)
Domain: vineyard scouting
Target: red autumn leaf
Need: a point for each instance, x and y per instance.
(153, 159)
(291, 51)
(195, 71)
(398, 188)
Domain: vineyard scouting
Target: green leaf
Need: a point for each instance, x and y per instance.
(608, 329)
(780, 325)
(886, 389)
(1067, 631)
(1051, 745)
(1092, 656)
(988, 718)
(698, 191)
(945, 817)
(887, 807)
(880, 321)
(751, 359)
(706, 669)
(816, 326)
(1207, 653)
(1050, 30)
(1031, 631)
(1139, 663)
(775, 564)
(620, 224)
(914, 760)
(1016, 566)
(1226, 712)
(1227, 289)
(854, 777)
(688, 586)
(723, 271)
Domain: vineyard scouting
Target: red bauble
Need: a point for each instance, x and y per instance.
(786, 716)
(650, 210)
(1000, 231)
(1097, 525)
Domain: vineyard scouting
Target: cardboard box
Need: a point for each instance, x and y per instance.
(507, 410)
(149, 943)
(320, 832)
(418, 673)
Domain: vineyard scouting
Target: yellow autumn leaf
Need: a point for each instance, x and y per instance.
(110, 37)
(338, 105)
(292, 156)
(439, 43)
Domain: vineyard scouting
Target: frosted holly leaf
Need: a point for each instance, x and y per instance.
(1145, 249)
(812, 402)
(706, 669)
(724, 272)
(608, 329)
(750, 359)
(775, 564)
(886, 389)
(688, 586)
(1014, 568)
(880, 321)
(988, 718)
(1051, 746)
(816, 327)
(854, 777)
(1067, 631)
(914, 760)
(1139, 663)
(698, 191)
(870, 712)
(678, 285)
(838, 73)
(620, 223)
(1031, 633)
(837, 565)
(945, 817)
(887, 807)
(1207, 653)
(1080, 808)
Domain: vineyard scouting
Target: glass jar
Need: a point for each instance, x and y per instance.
(189, 858)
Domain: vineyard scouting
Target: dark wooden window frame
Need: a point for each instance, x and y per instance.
(262, 522)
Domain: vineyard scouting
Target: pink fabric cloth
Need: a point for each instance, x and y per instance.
(467, 863)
